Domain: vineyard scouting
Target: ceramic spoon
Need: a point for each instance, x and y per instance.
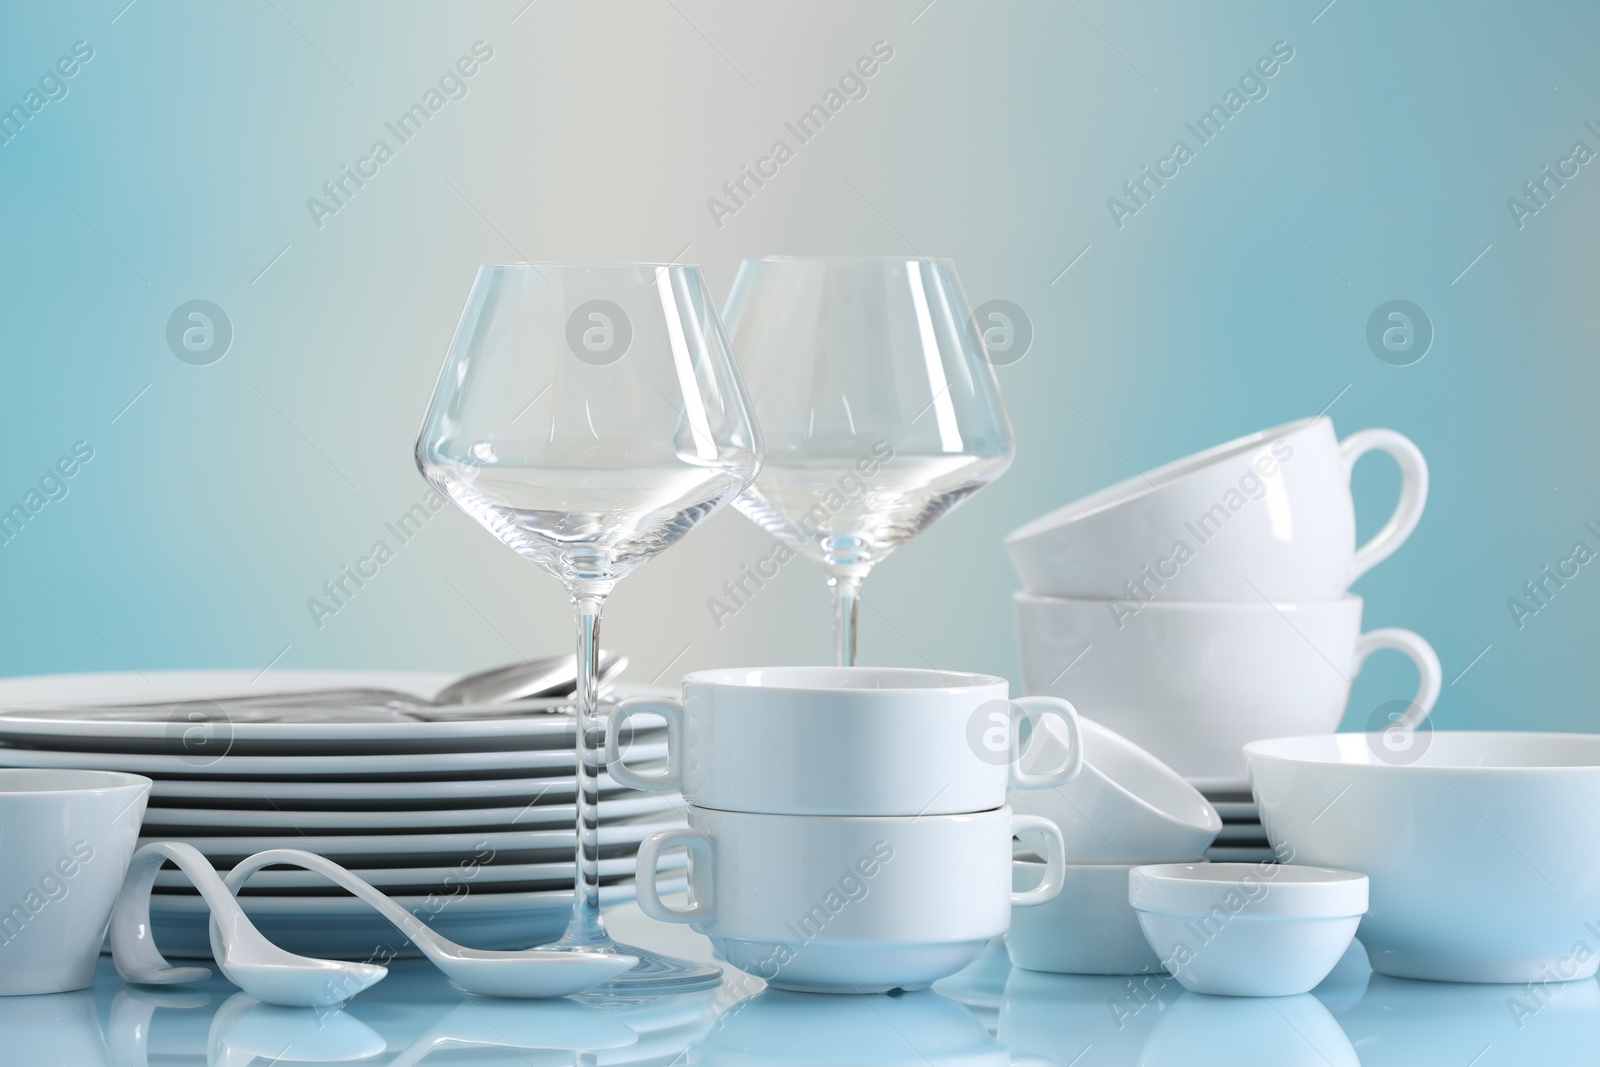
(533, 972)
(246, 958)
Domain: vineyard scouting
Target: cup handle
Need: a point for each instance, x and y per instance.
(1421, 653)
(699, 846)
(1064, 711)
(1413, 493)
(1055, 861)
(662, 781)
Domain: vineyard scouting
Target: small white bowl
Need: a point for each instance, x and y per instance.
(1248, 929)
(1125, 806)
(1090, 928)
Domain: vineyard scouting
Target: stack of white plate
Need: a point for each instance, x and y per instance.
(1243, 839)
(468, 823)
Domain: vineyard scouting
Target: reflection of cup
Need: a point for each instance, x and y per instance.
(1053, 1018)
(1199, 1030)
(65, 841)
(1193, 683)
(1269, 515)
(55, 1028)
(915, 1030)
(849, 904)
(843, 741)
(1400, 1022)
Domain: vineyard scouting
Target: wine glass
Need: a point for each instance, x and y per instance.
(878, 405)
(589, 416)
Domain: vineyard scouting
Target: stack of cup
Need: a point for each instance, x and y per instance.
(1126, 808)
(848, 828)
(1206, 604)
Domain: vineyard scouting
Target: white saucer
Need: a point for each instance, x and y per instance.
(528, 815)
(435, 765)
(334, 846)
(551, 788)
(482, 879)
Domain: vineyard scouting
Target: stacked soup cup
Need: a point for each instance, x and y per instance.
(848, 827)
(1205, 604)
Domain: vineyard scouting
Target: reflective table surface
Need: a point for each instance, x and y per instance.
(989, 1014)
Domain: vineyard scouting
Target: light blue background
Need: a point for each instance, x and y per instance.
(1378, 167)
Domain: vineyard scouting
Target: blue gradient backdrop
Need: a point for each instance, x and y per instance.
(179, 162)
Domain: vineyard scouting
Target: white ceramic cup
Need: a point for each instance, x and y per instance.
(849, 904)
(1125, 807)
(1193, 683)
(1089, 928)
(65, 841)
(1269, 515)
(844, 741)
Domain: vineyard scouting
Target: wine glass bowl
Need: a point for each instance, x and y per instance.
(879, 409)
(589, 416)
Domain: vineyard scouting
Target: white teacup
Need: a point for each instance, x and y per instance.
(844, 741)
(1193, 683)
(849, 904)
(1125, 807)
(65, 841)
(1269, 515)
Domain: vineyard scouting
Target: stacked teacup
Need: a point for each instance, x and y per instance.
(848, 828)
(1205, 604)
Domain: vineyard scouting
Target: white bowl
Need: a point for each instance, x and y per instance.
(65, 841)
(1248, 929)
(1090, 928)
(1125, 806)
(1484, 851)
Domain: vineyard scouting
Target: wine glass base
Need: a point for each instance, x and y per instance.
(655, 975)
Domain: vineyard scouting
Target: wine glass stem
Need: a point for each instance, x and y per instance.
(586, 924)
(846, 607)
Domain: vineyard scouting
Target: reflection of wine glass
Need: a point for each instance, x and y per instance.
(879, 409)
(589, 417)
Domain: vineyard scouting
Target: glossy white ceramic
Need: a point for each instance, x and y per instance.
(1266, 516)
(1192, 683)
(1125, 806)
(849, 904)
(844, 741)
(1247, 929)
(526, 815)
(527, 973)
(1483, 849)
(66, 838)
(246, 958)
(1090, 928)
(341, 767)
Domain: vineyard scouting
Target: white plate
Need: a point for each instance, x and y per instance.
(168, 731)
(1224, 854)
(1237, 810)
(435, 765)
(525, 816)
(483, 879)
(465, 845)
(552, 789)
(345, 928)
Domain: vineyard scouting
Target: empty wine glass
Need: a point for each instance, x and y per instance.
(589, 416)
(879, 409)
